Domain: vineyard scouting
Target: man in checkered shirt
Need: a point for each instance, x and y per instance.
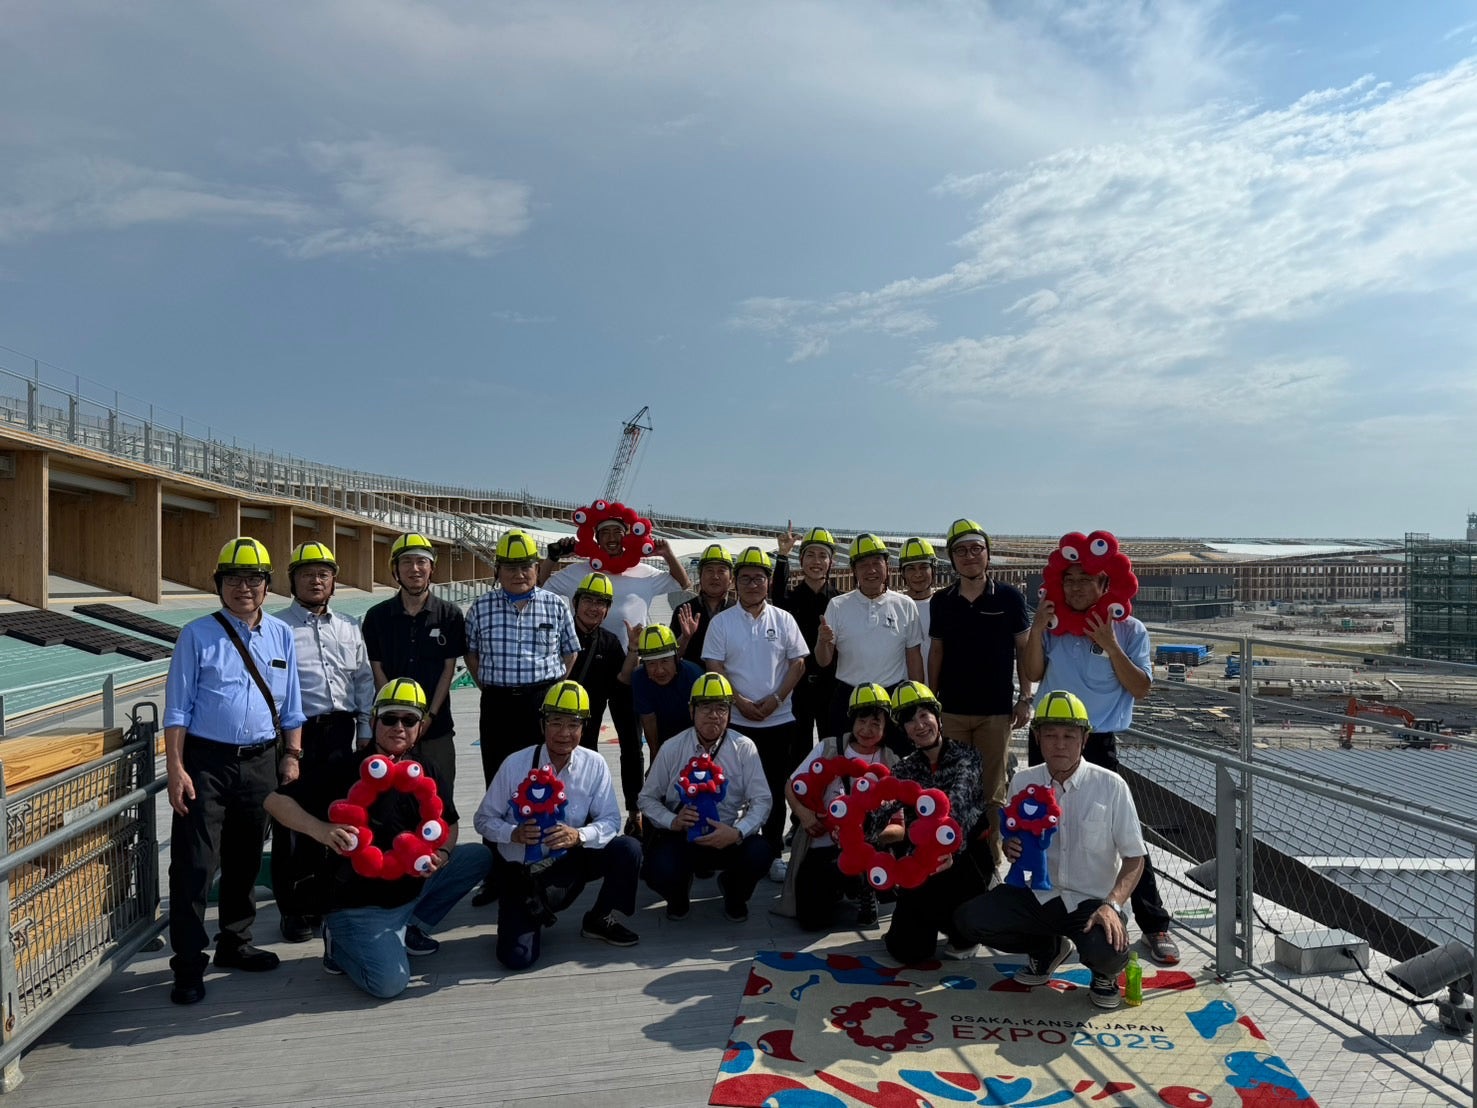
(520, 640)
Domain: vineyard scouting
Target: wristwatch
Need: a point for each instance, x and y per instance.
(288, 752)
(1122, 911)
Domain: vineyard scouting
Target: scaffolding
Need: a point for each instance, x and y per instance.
(1441, 598)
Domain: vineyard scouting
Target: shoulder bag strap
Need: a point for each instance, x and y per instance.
(255, 673)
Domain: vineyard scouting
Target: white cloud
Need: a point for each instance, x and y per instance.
(386, 198)
(1156, 260)
(411, 197)
(75, 193)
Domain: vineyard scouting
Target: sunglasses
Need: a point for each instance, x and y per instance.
(390, 719)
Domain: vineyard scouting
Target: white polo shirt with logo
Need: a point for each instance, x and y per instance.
(755, 652)
(873, 636)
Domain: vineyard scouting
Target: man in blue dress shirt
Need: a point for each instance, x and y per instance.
(220, 746)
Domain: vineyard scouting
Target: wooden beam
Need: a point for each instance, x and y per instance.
(25, 530)
(192, 541)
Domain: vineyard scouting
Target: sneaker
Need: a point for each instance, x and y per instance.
(329, 965)
(777, 870)
(1104, 990)
(962, 953)
(866, 908)
(609, 930)
(245, 957)
(418, 942)
(1038, 971)
(1162, 948)
(296, 929)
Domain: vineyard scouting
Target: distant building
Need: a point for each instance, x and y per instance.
(1441, 596)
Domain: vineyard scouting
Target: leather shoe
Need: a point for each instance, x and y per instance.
(187, 990)
(245, 957)
(297, 929)
(485, 895)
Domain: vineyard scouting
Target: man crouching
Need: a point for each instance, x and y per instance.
(575, 843)
(1094, 861)
(373, 923)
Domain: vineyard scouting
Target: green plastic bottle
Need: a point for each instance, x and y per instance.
(1133, 983)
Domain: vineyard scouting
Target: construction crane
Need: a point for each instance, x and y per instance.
(625, 453)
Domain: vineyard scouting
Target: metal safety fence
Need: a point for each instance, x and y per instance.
(79, 887)
(1320, 827)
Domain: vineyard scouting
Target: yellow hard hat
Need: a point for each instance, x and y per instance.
(916, 550)
(597, 586)
(911, 695)
(817, 536)
(866, 545)
(517, 546)
(401, 694)
(964, 528)
(412, 543)
(711, 687)
(312, 553)
(567, 698)
(865, 696)
(244, 555)
(1061, 707)
(752, 556)
(656, 642)
(713, 552)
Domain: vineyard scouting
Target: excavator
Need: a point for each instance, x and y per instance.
(1361, 708)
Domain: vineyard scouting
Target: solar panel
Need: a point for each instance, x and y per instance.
(132, 621)
(53, 629)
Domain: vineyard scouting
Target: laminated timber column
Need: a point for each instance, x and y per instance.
(192, 541)
(25, 539)
(383, 540)
(106, 532)
(275, 533)
(354, 549)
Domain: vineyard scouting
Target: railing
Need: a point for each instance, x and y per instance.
(1361, 847)
(79, 887)
(26, 700)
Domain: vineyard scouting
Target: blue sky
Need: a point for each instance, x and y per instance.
(1164, 268)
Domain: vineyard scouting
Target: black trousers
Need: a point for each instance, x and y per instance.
(780, 749)
(508, 722)
(225, 826)
(811, 703)
(670, 862)
(628, 731)
(920, 914)
(1011, 919)
(616, 865)
(1148, 907)
(298, 860)
(819, 887)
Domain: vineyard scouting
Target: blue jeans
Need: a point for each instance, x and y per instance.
(369, 943)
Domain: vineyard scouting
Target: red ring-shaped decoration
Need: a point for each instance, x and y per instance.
(852, 1019)
(811, 785)
(527, 806)
(636, 545)
(1096, 553)
(411, 852)
(933, 834)
(711, 778)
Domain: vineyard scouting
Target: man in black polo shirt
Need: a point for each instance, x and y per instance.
(811, 701)
(978, 627)
(417, 635)
(601, 659)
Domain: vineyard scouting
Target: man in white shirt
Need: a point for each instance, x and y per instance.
(1094, 861)
(634, 590)
(338, 695)
(731, 845)
(761, 651)
(531, 894)
(874, 634)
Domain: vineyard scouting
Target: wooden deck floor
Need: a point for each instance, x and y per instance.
(591, 1025)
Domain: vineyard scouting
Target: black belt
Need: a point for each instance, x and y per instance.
(250, 750)
(538, 687)
(332, 717)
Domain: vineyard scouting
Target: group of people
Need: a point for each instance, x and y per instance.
(275, 720)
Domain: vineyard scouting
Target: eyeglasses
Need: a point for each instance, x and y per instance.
(407, 721)
(711, 707)
(315, 575)
(749, 580)
(250, 580)
(970, 549)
